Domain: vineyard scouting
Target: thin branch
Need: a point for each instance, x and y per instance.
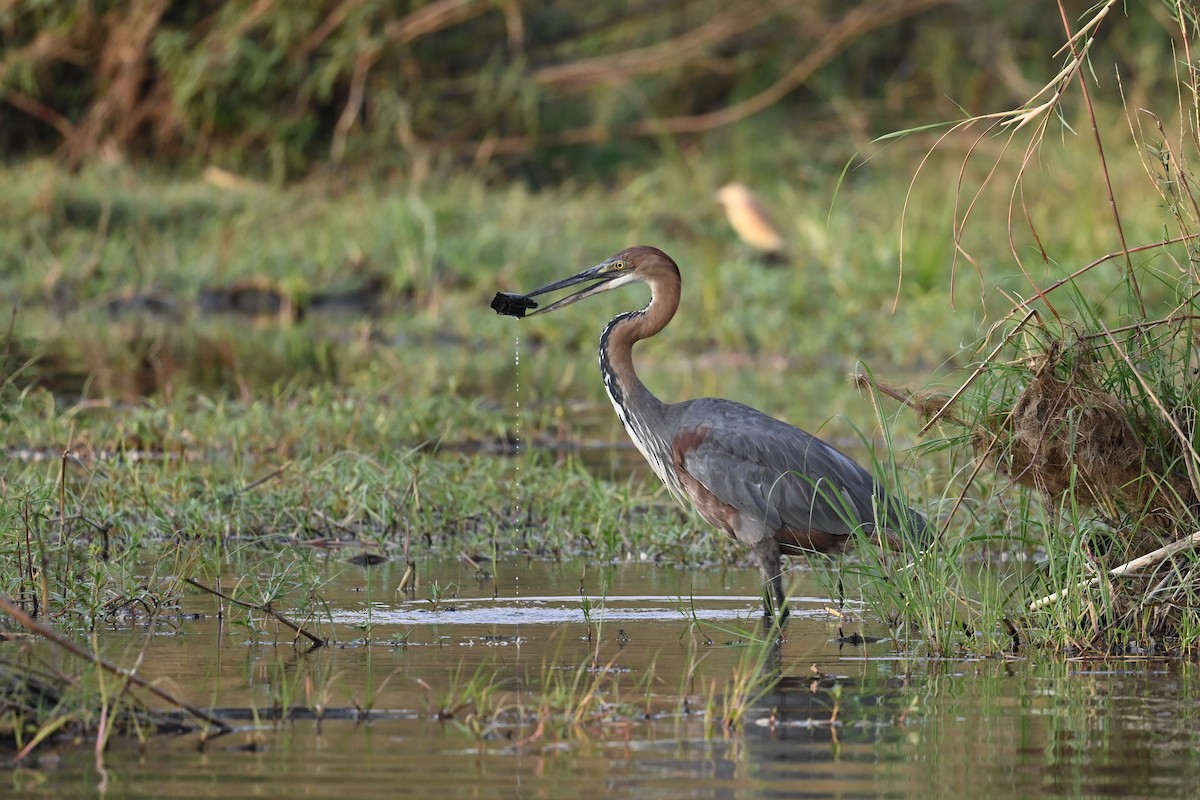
(264, 609)
(41, 112)
(269, 476)
(1134, 566)
(584, 73)
(983, 365)
(332, 22)
(1120, 253)
(432, 18)
(10, 608)
(354, 103)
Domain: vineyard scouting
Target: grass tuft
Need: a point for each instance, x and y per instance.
(1084, 397)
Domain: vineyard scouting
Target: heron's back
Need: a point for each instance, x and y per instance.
(783, 475)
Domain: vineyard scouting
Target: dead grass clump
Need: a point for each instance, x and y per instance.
(1066, 434)
(1059, 433)
(1102, 437)
(1074, 442)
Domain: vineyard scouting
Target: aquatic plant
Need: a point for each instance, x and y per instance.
(756, 674)
(439, 593)
(1082, 395)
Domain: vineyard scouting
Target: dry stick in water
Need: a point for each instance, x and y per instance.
(410, 574)
(1135, 565)
(265, 609)
(410, 577)
(10, 608)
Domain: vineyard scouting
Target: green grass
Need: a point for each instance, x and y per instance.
(142, 448)
(260, 433)
(1084, 394)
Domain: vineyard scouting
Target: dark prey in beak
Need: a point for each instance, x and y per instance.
(516, 305)
(512, 304)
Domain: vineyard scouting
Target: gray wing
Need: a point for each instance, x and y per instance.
(775, 471)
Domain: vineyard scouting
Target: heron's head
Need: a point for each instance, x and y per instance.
(636, 265)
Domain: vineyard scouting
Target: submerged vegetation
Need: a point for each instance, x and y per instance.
(212, 380)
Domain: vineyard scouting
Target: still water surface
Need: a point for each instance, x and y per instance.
(904, 726)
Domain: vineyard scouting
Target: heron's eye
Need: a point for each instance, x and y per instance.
(619, 266)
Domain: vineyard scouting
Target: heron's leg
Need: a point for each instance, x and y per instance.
(768, 612)
(777, 587)
(766, 553)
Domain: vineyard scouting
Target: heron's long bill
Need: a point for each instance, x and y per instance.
(602, 273)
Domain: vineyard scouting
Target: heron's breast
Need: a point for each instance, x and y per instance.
(715, 512)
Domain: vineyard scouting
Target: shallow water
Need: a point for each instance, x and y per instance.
(903, 726)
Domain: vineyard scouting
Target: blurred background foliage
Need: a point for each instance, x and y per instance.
(537, 90)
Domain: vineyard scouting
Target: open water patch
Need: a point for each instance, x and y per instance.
(557, 610)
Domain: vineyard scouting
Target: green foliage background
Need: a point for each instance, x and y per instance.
(429, 154)
(280, 88)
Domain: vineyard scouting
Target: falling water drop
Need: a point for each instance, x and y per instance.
(516, 454)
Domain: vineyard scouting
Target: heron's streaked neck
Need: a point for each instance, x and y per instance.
(621, 381)
(646, 418)
(642, 414)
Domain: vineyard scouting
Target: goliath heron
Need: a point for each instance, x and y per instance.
(772, 486)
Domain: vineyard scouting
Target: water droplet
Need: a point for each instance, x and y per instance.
(516, 443)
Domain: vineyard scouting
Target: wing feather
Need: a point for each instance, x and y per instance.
(775, 471)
